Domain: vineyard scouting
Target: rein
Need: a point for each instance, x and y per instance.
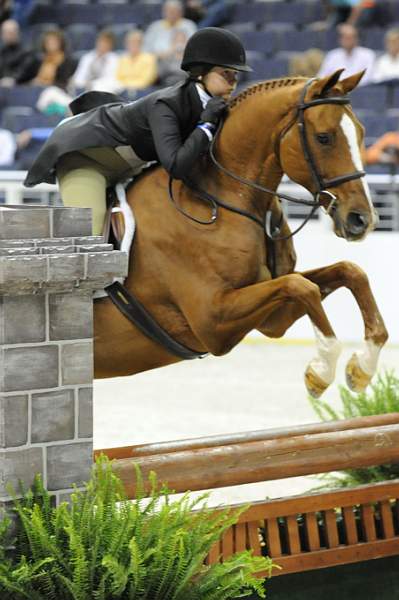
(321, 184)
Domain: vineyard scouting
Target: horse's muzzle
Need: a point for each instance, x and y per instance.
(357, 225)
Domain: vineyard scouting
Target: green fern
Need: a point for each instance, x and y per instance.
(102, 546)
(381, 398)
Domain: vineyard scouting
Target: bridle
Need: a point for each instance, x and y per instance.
(321, 193)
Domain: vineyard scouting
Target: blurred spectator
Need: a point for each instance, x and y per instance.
(169, 70)
(361, 13)
(207, 13)
(54, 101)
(17, 64)
(384, 150)
(5, 10)
(136, 69)
(56, 66)
(370, 13)
(340, 11)
(10, 144)
(97, 68)
(387, 66)
(160, 35)
(349, 56)
(306, 64)
(22, 10)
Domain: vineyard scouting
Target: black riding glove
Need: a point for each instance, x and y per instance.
(214, 110)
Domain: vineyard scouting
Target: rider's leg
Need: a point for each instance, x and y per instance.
(84, 176)
(82, 184)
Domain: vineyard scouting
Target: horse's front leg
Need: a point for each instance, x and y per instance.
(236, 312)
(363, 364)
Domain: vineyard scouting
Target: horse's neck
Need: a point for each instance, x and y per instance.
(247, 145)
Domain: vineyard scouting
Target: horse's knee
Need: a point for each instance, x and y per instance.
(351, 272)
(299, 288)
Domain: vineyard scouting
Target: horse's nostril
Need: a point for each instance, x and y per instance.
(357, 223)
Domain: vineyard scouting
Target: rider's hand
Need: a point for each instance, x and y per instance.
(214, 110)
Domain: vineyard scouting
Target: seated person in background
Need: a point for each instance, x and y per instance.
(387, 66)
(22, 10)
(339, 11)
(5, 10)
(207, 13)
(370, 13)
(97, 68)
(169, 70)
(384, 150)
(10, 144)
(159, 37)
(136, 69)
(54, 101)
(349, 56)
(56, 66)
(17, 64)
(306, 64)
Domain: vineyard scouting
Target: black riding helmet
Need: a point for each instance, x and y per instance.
(215, 47)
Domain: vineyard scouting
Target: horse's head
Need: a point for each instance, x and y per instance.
(321, 149)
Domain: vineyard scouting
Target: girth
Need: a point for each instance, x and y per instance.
(133, 310)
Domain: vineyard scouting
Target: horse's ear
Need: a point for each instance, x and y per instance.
(351, 82)
(320, 87)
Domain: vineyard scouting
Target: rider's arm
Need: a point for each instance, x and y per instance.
(176, 156)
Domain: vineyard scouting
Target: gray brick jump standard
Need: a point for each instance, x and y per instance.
(49, 267)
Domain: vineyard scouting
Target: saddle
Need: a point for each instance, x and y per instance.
(119, 225)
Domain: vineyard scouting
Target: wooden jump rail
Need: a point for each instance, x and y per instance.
(302, 532)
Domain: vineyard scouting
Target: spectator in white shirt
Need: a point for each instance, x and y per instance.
(387, 66)
(349, 56)
(160, 36)
(97, 68)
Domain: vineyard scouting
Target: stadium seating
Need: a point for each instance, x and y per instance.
(272, 32)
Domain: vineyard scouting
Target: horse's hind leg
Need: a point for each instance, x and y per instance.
(363, 364)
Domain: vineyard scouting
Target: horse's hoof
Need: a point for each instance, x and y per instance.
(356, 379)
(315, 385)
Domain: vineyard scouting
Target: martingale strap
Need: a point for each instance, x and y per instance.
(133, 310)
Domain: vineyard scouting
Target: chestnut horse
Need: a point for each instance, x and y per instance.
(208, 286)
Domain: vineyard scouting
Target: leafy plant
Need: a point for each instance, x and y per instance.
(102, 546)
(383, 397)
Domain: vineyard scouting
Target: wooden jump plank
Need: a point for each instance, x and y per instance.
(294, 505)
(247, 436)
(368, 522)
(273, 542)
(240, 537)
(294, 543)
(387, 519)
(330, 523)
(214, 554)
(227, 543)
(312, 531)
(265, 460)
(350, 525)
(336, 556)
(253, 536)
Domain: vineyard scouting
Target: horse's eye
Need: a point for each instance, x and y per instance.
(324, 138)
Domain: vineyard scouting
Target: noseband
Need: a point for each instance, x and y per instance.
(321, 193)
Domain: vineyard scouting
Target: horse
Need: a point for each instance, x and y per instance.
(209, 285)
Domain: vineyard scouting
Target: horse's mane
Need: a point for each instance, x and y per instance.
(265, 86)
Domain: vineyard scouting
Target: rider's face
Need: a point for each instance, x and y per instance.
(221, 81)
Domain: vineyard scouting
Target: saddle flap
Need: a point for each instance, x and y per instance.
(118, 224)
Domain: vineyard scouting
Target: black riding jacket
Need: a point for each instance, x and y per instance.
(159, 127)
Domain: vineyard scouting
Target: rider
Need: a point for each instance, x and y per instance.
(107, 140)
